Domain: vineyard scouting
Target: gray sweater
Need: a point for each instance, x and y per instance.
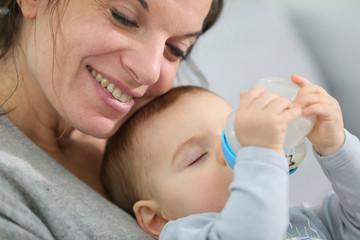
(258, 209)
(39, 199)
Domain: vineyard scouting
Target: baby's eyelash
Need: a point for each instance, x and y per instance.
(123, 19)
(197, 159)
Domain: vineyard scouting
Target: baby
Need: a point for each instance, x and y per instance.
(171, 176)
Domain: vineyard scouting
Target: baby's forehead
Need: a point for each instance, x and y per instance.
(186, 103)
(193, 102)
(190, 98)
(182, 107)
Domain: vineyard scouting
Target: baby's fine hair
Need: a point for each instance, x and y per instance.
(125, 168)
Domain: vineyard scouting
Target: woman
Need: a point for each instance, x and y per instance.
(71, 73)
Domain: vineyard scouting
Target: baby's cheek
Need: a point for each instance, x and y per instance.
(213, 192)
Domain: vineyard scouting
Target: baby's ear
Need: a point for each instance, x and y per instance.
(149, 217)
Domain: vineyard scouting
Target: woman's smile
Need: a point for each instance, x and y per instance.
(112, 96)
(110, 86)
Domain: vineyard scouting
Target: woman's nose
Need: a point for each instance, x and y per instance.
(144, 65)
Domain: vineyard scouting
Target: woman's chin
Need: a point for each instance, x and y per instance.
(102, 130)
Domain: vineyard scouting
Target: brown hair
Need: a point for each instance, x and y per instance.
(9, 25)
(10, 19)
(125, 168)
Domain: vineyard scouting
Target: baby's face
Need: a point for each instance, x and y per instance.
(188, 172)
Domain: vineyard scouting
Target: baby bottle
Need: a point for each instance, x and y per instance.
(294, 144)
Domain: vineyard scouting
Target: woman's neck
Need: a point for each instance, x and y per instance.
(29, 109)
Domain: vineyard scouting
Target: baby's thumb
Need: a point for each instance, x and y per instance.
(242, 94)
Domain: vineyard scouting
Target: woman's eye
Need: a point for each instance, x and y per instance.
(198, 159)
(175, 51)
(123, 19)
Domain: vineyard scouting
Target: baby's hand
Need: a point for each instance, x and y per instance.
(327, 136)
(262, 119)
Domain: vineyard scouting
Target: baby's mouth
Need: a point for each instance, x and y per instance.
(105, 83)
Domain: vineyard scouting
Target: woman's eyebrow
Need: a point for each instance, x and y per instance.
(144, 4)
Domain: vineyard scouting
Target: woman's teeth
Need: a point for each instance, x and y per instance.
(105, 83)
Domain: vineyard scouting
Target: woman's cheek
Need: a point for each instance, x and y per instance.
(165, 82)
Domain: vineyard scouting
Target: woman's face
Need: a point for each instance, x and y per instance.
(109, 57)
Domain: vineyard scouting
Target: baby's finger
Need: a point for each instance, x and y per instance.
(318, 109)
(279, 105)
(252, 94)
(324, 110)
(264, 100)
(311, 89)
(291, 114)
(242, 95)
(306, 99)
(300, 80)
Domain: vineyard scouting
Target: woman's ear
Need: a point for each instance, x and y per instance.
(29, 8)
(149, 217)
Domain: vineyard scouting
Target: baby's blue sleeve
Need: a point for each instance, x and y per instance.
(256, 209)
(340, 212)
